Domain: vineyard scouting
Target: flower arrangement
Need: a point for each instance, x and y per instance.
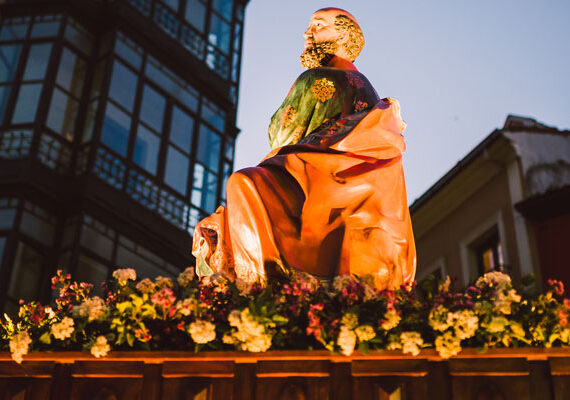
(214, 313)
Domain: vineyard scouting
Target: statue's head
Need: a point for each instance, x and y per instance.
(331, 32)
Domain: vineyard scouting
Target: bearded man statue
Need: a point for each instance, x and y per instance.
(330, 198)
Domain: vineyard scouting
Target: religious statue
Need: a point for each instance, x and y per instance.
(330, 197)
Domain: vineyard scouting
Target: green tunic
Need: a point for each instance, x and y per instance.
(319, 97)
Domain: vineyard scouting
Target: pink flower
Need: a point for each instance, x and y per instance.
(557, 286)
(164, 298)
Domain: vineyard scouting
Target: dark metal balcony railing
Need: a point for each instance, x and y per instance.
(183, 32)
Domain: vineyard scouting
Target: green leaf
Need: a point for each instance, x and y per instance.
(46, 338)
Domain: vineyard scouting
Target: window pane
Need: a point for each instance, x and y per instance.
(213, 115)
(71, 74)
(91, 271)
(37, 228)
(62, 113)
(229, 150)
(26, 272)
(177, 166)
(209, 146)
(38, 60)
(172, 84)
(12, 30)
(123, 85)
(77, 35)
(9, 56)
(196, 14)
(7, 216)
(204, 189)
(2, 246)
(4, 95)
(96, 242)
(97, 80)
(219, 33)
(116, 127)
(147, 146)
(237, 37)
(90, 121)
(224, 7)
(45, 29)
(27, 103)
(226, 174)
(181, 129)
(172, 3)
(128, 51)
(152, 108)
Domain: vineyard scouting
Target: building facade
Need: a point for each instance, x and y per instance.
(117, 132)
(505, 206)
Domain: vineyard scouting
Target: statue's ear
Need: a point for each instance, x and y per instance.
(343, 37)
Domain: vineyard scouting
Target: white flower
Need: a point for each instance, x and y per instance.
(411, 342)
(391, 319)
(365, 333)
(202, 331)
(50, 313)
(447, 345)
(123, 275)
(93, 308)
(504, 298)
(64, 329)
(249, 335)
(243, 286)
(186, 277)
(19, 346)
(258, 344)
(495, 278)
(350, 320)
(341, 281)
(146, 286)
(464, 322)
(438, 318)
(346, 340)
(187, 306)
(100, 348)
(163, 282)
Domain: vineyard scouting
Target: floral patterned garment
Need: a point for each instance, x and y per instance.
(320, 97)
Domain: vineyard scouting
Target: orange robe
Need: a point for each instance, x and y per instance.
(328, 200)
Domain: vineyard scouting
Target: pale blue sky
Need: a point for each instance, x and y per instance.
(458, 68)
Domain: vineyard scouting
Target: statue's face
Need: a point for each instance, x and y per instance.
(321, 28)
(322, 40)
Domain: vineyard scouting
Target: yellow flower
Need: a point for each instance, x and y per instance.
(447, 345)
(365, 333)
(391, 320)
(464, 322)
(350, 320)
(323, 89)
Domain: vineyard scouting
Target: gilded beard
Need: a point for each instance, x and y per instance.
(318, 54)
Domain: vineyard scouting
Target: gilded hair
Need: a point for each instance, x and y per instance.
(355, 42)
